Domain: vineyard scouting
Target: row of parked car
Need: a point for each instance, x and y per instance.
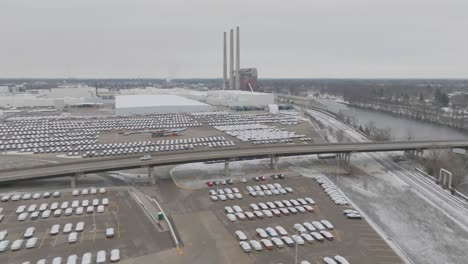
(269, 209)
(44, 211)
(335, 260)
(330, 189)
(231, 119)
(87, 258)
(224, 194)
(190, 140)
(91, 191)
(352, 214)
(268, 190)
(28, 196)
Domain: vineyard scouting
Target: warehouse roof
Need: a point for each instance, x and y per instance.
(148, 100)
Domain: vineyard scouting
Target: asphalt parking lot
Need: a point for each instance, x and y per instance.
(209, 235)
(135, 234)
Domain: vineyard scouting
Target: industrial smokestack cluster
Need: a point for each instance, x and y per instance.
(234, 78)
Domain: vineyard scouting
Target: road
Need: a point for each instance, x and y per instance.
(86, 166)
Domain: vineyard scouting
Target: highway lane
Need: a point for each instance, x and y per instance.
(165, 158)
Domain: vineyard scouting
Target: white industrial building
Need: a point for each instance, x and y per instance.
(212, 97)
(157, 103)
(239, 98)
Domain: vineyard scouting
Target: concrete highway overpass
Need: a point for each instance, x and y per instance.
(95, 165)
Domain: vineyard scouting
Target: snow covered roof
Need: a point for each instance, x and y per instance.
(147, 100)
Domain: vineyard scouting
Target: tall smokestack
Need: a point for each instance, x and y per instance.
(231, 62)
(225, 81)
(237, 60)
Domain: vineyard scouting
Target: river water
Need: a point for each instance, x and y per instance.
(402, 128)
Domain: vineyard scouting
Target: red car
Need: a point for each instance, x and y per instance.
(262, 178)
(209, 183)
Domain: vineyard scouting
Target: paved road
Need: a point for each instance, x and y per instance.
(165, 158)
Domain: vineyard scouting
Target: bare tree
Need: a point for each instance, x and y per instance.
(339, 136)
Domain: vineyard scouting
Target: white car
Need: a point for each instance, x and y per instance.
(300, 228)
(278, 242)
(26, 196)
(237, 209)
(54, 230)
(5, 198)
(64, 205)
(95, 202)
(76, 192)
(20, 209)
(16, 197)
(43, 207)
(102, 190)
(105, 201)
(54, 206)
(318, 225)
(115, 255)
(72, 259)
(214, 198)
(267, 213)
(31, 242)
(245, 246)
(271, 231)
(36, 196)
(56, 194)
(231, 217)
(79, 211)
(22, 216)
(256, 245)
(16, 244)
(146, 157)
(298, 239)
(46, 195)
(29, 232)
(3, 245)
(309, 226)
(307, 237)
(84, 192)
(67, 228)
(327, 224)
(110, 232)
(310, 200)
(3, 234)
(58, 213)
(238, 195)
(72, 237)
(45, 214)
(240, 235)
(261, 233)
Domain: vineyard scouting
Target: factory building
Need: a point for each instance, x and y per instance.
(248, 80)
(157, 103)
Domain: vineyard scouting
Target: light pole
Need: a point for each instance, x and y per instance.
(295, 257)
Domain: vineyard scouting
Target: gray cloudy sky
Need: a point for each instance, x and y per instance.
(283, 39)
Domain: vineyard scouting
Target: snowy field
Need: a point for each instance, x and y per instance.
(426, 222)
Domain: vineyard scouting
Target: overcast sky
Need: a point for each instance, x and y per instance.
(283, 39)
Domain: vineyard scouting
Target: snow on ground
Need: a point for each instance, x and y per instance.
(421, 223)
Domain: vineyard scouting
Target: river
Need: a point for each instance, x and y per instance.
(401, 127)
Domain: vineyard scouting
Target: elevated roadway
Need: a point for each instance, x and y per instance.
(95, 165)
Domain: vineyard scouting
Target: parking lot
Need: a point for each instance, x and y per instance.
(202, 221)
(134, 234)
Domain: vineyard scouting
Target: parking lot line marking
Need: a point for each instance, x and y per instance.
(43, 238)
(55, 241)
(337, 235)
(94, 236)
(118, 229)
(8, 216)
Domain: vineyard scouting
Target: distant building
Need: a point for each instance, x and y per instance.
(248, 79)
(157, 103)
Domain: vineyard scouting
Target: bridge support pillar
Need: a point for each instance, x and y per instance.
(226, 167)
(73, 180)
(345, 158)
(274, 162)
(151, 178)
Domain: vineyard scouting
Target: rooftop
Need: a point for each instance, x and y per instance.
(145, 100)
